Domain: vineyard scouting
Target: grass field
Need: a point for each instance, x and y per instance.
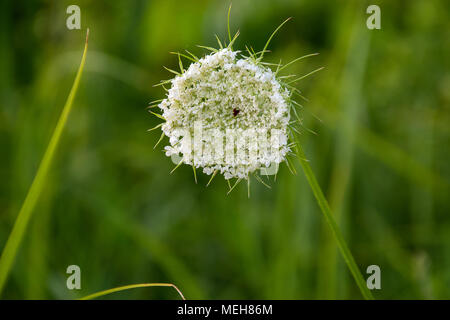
(375, 132)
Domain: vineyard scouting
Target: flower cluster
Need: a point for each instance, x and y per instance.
(227, 114)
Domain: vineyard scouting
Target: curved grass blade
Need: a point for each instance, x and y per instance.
(325, 208)
(131, 286)
(15, 238)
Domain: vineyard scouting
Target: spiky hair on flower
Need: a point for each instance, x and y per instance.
(230, 113)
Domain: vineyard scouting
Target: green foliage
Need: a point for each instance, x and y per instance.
(380, 111)
(20, 226)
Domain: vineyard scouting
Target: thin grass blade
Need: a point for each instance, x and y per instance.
(15, 238)
(325, 208)
(131, 286)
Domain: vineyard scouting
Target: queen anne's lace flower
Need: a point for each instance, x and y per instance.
(238, 106)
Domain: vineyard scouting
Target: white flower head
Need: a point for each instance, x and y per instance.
(227, 113)
(232, 100)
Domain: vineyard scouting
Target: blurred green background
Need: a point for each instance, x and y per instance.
(380, 152)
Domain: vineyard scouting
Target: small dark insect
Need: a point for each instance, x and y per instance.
(236, 112)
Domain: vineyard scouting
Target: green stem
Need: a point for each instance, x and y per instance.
(325, 208)
(15, 238)
(131, 286)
